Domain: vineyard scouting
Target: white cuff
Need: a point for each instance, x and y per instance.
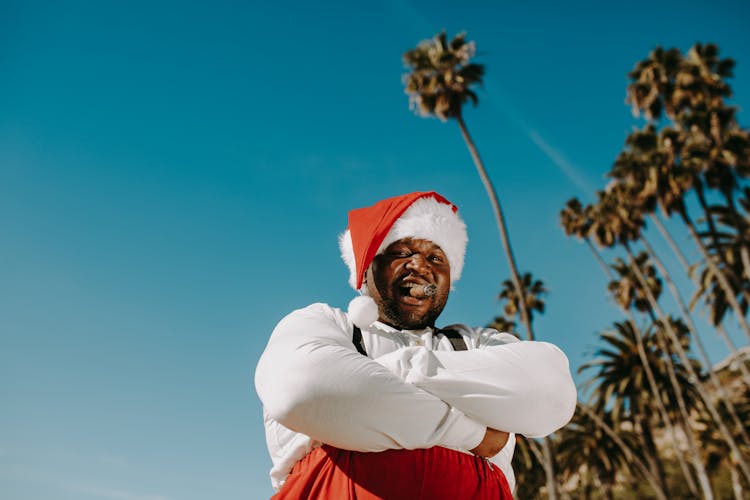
(464, 434)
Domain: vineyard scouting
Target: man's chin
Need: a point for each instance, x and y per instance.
(413, 322)
(410, 317)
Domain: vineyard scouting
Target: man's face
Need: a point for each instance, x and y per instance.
(405, 263)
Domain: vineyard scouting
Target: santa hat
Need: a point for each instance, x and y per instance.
(420, 215)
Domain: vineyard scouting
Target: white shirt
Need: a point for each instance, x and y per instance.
(412, 391)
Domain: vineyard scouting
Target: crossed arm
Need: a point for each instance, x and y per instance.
(311, 380)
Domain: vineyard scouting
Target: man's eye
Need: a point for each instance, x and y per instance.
(400, 253)
(438, 259)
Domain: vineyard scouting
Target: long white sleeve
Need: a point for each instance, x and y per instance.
(520, 387)
(312, 380)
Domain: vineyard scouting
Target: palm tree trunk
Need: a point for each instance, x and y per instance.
(700, 469)
(642, 422)
(745, 256)
(655, 484)
(549, 468)
(670, 241)
(692, 375)
(736, 484)
(598, 257)
(697, 340)
(501, 225)
(720, 277)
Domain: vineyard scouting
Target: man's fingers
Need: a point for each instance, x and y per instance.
(494, 441)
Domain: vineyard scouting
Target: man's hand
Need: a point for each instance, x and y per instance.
(492, 443)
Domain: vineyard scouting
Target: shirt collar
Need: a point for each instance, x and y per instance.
(387, 328)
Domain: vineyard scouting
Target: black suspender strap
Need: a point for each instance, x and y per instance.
(359, 343)
(456, 340)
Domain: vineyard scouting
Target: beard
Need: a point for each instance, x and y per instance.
(400, 316)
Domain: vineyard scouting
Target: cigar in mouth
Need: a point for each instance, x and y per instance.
(422, 291)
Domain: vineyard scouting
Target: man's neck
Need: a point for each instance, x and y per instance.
(401, 327)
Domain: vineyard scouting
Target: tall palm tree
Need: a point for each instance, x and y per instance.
(695, 379)
(715, 299)
(710, 289)
(596, 222)
(619, 221)
(705, 148)
(691, 329)
(439, 82)
(648, 179)
(626, 235)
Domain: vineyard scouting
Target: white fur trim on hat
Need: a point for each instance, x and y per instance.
(426, 219)
(347, 254)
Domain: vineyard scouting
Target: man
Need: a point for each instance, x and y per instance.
(378, 402)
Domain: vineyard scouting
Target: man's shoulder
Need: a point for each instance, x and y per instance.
(318, 312)
(317, 309)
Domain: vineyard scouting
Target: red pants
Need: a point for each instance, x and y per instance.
(432, 474)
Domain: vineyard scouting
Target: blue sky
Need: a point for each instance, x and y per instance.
(173, 178)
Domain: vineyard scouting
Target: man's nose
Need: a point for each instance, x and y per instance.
(417, 262)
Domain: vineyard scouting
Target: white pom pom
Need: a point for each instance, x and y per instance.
(363, 311)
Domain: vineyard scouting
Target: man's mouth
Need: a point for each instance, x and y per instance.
(414, 292)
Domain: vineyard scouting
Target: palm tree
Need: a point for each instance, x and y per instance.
(586, 453)
(649, 181)
(692, 331)
(576, 221)
(617, 221)
(533, 290)
(624, 384)
(694, 379)
(503, 324)
(652, 80)
(626, 449)
(618, 193)
(738, 231)
(596, 222)
(627, 289)
(704, 148)
(626, 235)
(439, 83)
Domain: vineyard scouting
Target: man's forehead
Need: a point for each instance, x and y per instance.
(416, 242)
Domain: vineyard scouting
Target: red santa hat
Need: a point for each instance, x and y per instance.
(419, 215)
